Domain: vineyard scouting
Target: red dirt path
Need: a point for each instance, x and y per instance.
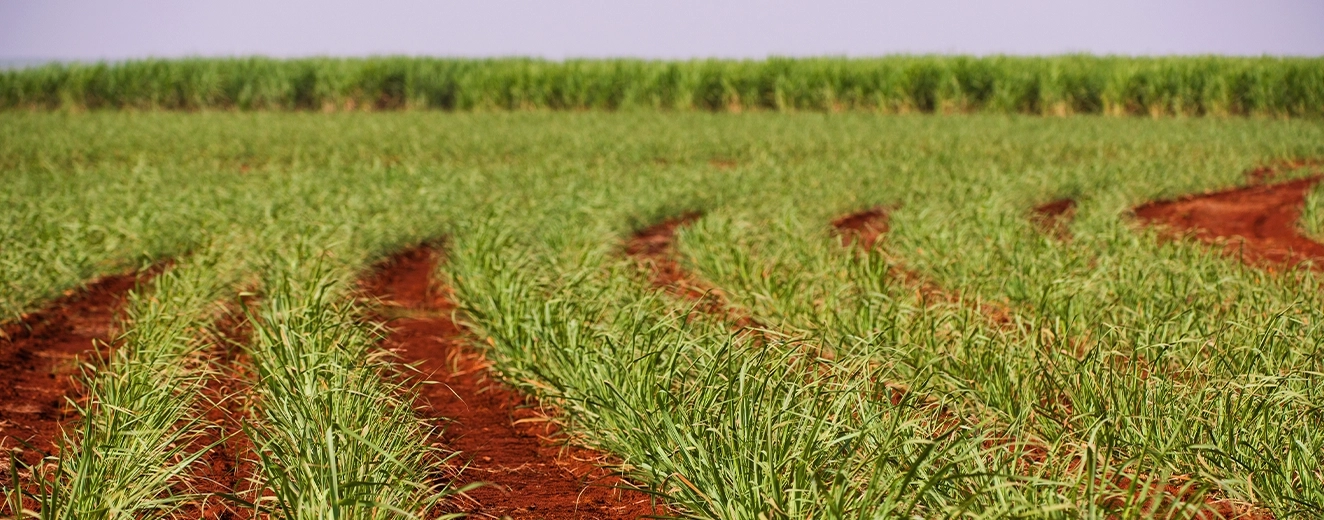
(498, 432)
(654, 247)
(1257, 222)
(229, 467)
(866, 228)
(39, 357)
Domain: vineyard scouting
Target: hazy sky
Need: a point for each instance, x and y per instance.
(85, 30)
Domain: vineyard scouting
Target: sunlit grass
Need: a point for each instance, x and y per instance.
(1126, 356)
(139, 434)
(1312, 213)
(335, 434)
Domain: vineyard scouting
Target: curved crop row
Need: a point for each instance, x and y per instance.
(1135, 375)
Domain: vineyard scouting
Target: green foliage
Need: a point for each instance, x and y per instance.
(1072, 84)
(1127, 358)
(140, 431)
(336, 435)
(105, 229)
(1312, 213)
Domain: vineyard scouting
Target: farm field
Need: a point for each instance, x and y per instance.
(739, 316)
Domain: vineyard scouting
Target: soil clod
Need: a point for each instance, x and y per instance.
(500, 435)
(865, 226)
(1257, 223)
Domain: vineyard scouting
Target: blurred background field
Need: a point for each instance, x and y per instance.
(1053, 85)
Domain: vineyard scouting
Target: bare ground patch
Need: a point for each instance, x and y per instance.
(40, 356)
(1256, 223)
(505, 439)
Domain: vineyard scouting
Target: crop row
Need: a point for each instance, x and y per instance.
(1074, 84)
(1133, 376)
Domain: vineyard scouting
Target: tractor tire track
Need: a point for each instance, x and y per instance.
(505, 442)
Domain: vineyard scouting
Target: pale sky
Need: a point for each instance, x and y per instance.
(92, 30)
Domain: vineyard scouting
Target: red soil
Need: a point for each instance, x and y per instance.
(865, 226)
(864, 229)
(654, 247)
(500, 434)
(1054, 218)
(722, 163)
(1257, 223)
(1161, 500)
(229, 467)
(39, 357)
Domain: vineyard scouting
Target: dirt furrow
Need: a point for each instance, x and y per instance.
(40, 357)
(1257, 223)
(867, 228)
(1268, 172)
(227, 470)
(654, 248)
(863, 227)
(503, 438)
